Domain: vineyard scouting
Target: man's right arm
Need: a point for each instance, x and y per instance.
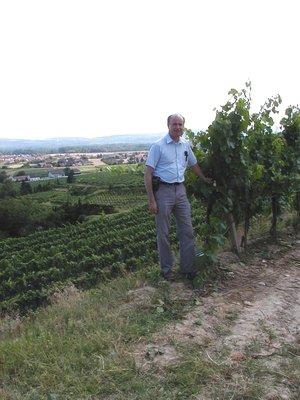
(148, 184)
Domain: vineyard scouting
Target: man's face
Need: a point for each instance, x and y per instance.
(176, 126)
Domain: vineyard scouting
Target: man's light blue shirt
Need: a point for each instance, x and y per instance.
(169, 159)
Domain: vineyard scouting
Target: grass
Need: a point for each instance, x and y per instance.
(83, 347)
(83, 344)
(268, 330)
(254, 346)
(231, 315)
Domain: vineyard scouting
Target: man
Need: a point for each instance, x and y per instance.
(167, 161)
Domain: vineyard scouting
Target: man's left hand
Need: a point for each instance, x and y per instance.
(208, 180)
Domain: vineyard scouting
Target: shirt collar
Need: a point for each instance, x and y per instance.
(170, 140)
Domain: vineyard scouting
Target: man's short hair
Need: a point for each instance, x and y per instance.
(173, 115)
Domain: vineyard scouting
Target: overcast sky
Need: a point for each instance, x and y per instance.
(99, 67)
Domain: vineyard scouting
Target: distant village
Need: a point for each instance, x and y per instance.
(55, 165)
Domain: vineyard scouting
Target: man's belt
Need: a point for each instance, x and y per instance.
(170, 184)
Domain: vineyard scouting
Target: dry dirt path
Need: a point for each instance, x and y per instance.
(253, 316)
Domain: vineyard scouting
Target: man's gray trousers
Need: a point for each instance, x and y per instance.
(173, 199)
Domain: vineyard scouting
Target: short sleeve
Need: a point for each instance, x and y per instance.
(153, 156)
(192, 160)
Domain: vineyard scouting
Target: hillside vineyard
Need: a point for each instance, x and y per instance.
(34, 266)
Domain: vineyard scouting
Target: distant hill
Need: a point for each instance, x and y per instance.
(69, 143)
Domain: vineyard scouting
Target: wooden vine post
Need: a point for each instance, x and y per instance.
(235, 243)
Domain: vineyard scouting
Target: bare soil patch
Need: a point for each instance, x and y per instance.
(254, 314)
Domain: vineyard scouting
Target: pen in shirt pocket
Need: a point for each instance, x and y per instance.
(186, 154)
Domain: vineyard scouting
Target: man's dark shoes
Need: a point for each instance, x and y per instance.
(168, 276)
(190, 275)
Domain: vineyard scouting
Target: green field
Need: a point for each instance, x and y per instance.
(120, 187)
